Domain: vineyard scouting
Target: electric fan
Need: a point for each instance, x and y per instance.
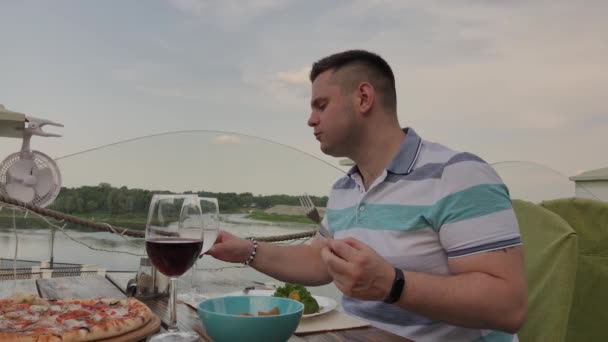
(31, 176)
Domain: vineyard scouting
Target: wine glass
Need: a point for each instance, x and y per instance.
(211, 221)
(211, 226)
(174, 240)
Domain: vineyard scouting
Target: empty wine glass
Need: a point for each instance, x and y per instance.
(211, 221)
(211, 226)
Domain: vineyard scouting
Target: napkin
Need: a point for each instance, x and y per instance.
(333, 320)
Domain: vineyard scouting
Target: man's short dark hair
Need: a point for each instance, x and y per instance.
(373, 69)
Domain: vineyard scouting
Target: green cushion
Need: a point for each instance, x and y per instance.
(550, 251)
(588, 315)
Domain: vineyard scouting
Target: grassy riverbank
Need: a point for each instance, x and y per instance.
(263, 216)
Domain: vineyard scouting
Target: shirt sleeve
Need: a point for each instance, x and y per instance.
(474, 213)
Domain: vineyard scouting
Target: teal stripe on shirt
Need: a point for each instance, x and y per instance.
(379, 217)
(476, 201)
(496, 336)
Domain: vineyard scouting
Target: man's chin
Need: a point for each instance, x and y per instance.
(331, 151)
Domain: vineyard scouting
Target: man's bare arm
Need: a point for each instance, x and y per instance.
(486, 290)
(300, 264)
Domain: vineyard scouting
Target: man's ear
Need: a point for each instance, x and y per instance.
(366, 97)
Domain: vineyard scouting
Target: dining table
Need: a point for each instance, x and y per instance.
(115, 285)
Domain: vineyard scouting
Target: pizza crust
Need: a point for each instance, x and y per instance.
(114, 327)
(7, 337)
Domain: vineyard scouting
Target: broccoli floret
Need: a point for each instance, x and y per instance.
(299, 293)
(284, 291)
(310, 305)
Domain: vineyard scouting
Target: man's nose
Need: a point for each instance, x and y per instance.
(313, 120)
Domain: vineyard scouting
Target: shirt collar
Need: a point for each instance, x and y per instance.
(404, 160)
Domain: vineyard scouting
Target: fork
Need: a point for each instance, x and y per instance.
(313, 214)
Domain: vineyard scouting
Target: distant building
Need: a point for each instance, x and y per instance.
(592, 184)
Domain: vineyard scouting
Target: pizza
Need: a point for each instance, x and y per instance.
(28, 318)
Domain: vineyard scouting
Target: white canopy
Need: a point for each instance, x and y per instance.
(12, 123)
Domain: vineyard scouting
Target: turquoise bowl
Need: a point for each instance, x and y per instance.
(221, 319)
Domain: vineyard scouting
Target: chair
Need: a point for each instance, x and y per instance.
(589, 313)
(550, 251)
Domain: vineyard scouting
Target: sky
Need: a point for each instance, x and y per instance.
(506, 80)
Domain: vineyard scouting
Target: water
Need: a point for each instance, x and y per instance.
(34, 245)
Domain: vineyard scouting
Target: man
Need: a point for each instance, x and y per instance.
(425, 242)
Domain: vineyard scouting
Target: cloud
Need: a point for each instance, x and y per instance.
(511, 67)
(162, 80)
(226, 139)
(539, 120)
(125, 74)
(133, 73)
(287, 90)
(543, 68)
(498, 65)
(175, 92)
(297, 77)
(228, 14)
(509, 78)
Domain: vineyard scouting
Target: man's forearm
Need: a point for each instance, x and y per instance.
(299, 264)
(474, 300)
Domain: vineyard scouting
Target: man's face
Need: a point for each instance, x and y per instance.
(333, 116)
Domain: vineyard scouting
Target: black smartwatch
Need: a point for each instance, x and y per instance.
(397, 288)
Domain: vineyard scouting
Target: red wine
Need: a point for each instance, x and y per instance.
(173, 257)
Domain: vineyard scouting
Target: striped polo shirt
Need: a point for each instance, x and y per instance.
(430, 204)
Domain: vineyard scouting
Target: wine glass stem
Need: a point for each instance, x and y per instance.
(173, 306)
(193, 279)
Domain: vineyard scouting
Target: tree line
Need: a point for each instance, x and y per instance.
(107, 199)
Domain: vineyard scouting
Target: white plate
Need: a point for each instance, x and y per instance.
(325, 304)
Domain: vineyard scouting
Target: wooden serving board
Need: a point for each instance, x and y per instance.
(10, 287)
(152, 327)
(78, 287)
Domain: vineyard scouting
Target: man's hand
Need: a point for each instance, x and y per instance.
(231, 248)
(357, 270)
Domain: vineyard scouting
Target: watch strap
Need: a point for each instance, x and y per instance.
(397, 288)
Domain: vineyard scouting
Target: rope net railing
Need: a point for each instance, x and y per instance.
(16, 270)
